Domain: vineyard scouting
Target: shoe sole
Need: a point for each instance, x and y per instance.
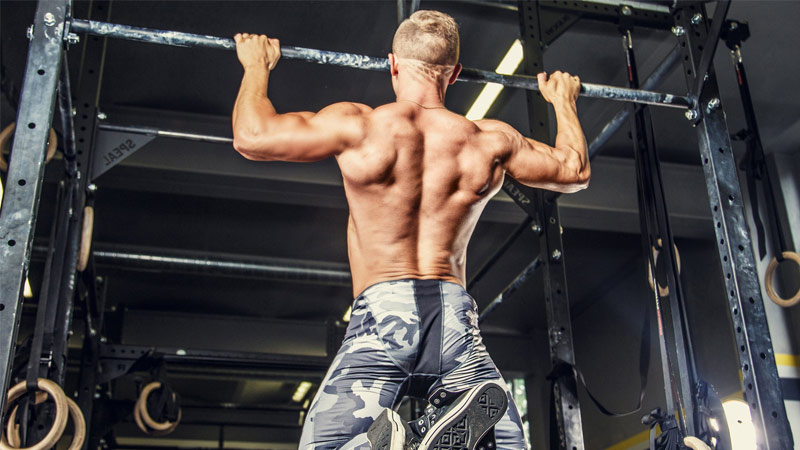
(397, 434)
(469, 420)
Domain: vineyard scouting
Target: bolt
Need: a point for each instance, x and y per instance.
(70, 333)
(73, 38)
(180, 352)
(690, 114)
(96, 395)
(697, 18)
(103, 340)
(712, 105)
(49, 19)
(626, 10)
(91, 188)
(101, 115)
(536, 228)
(556, 255)
(29, 33)
(734, 25)
(678, 30)
(75, 394)
(74, 112)
(92, 332)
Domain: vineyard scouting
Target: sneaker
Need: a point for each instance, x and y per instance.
(463, 424)
(387, 432)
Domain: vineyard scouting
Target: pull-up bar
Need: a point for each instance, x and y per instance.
(180, 39)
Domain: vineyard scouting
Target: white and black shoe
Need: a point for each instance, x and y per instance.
(387, 432)
(463, 424)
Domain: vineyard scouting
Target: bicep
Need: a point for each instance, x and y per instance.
(528, 161)
(306, 136)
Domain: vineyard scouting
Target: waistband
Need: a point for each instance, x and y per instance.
(407, 282)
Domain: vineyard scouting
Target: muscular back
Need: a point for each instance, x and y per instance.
(416, 185)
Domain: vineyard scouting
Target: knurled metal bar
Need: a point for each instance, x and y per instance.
(762, 388)
(26, 170)
(551, 251)
(180, 39)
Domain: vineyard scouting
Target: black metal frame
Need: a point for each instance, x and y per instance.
(762, 386)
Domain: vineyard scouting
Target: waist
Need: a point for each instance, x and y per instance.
(449, 284)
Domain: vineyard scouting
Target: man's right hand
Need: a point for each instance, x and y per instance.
(561, 86)
(256, 50)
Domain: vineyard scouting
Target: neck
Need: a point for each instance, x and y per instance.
(423, 94)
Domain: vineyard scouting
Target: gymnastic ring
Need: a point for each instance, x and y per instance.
(5, 138)
(769, 281)
(137, 417)
(75, 413)
(662, 290)
(695, 443)
(86, 238)
(59, 422)
(140, 410)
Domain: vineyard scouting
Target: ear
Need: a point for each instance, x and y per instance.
(392, 64)
(454, 76)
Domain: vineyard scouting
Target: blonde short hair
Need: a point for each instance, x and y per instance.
(428, 36)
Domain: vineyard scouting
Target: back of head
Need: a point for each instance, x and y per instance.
(428, 36)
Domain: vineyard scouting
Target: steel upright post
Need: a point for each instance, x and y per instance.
(762, 388)
(551, 248)
(26, 170)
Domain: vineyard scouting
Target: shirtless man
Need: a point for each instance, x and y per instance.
(416, 177)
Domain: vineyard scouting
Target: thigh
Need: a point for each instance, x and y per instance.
(360, 383)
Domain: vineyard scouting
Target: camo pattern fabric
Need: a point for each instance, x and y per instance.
(380, 355)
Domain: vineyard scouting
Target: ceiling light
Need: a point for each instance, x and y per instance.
(740, 425)
(490, 91)
(346, 316)
(301, 391)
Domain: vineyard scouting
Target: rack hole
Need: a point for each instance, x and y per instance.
(752, 300)
(12, 243)
(774, 415)
(722, 241)
(31, 125)
(747, 367)
(725, 258)
(21, 182)
(750, 386)
(721, 150)
(733, 294)
(763, 355)
(2, 306)
(738, 329)
(741, 248)
(705, 160)
(728, 276)
(40, 71)
(741, 348)
(735, 311)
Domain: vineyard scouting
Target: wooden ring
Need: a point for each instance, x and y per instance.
(140, 414)
(769, 281)
(662, 290)
(75, 413)
(695, 444)
(5, 139)
(86, 238)
(59, 422)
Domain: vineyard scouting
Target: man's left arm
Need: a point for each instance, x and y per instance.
(260, 133)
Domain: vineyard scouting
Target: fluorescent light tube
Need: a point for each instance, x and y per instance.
(490, 91)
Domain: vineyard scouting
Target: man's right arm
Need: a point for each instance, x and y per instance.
(562, 168)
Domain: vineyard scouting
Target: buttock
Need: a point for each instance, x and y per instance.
(427, 327)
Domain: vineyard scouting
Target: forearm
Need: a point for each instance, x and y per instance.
(253, 109)
(569, 135)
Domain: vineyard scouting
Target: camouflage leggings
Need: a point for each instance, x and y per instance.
(406, 337)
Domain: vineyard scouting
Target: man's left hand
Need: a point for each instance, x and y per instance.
(257, 50)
